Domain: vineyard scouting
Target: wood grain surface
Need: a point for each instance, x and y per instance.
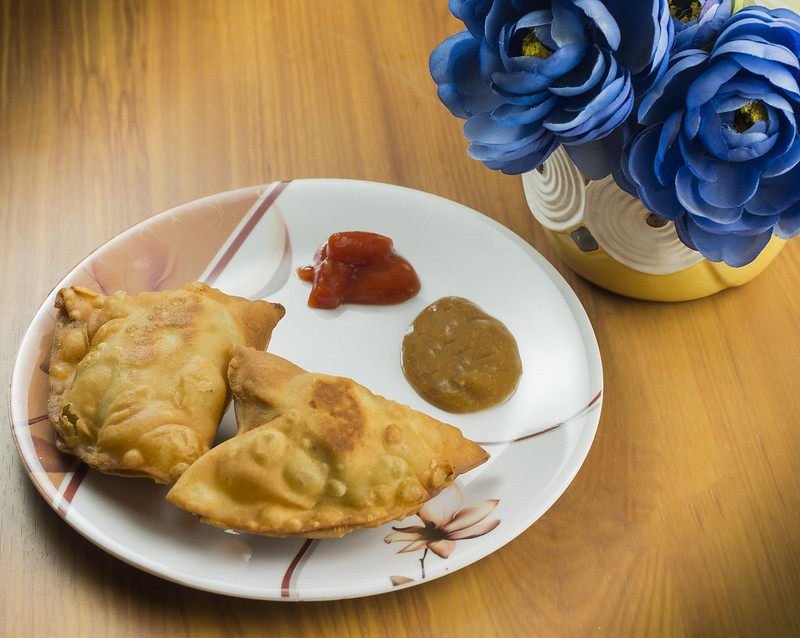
(685, 518)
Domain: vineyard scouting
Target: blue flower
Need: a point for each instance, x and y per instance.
(720, 152)
(529, 75)
(698, 22)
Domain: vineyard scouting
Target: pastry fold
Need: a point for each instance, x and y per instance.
(138, 383)
(318, 456)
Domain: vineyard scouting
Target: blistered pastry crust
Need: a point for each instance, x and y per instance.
(138, 383)
(319, 456)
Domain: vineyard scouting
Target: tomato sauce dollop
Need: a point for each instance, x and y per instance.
(359, 267)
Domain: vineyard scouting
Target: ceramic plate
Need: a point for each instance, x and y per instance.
(249, 242)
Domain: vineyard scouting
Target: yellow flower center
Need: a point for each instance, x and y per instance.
(684, 10)
(533, 48)
(749, 114)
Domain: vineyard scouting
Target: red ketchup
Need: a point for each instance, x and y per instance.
(359, 267)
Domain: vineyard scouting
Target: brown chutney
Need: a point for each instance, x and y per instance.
(459, 358)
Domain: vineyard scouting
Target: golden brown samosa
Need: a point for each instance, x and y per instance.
(138, 383)
(319, 456)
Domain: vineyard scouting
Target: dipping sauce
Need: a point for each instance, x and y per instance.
(460, 359)
(359, 267)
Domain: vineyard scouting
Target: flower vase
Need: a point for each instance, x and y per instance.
(610, 238)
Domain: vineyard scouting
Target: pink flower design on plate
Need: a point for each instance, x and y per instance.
(442, 526)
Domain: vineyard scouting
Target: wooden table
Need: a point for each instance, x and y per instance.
(685, 518)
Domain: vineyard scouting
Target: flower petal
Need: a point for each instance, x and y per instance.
(524, 165)
(527, 163)
(578, 110)
(783, 162)
(707, 85)
(442, 548)
(687, 188)
(602, 19)
(476, 530)
(710, 133)
(668, 158)
(510, 152)
(659, 198)
(744, 50)
(454, 67)
(646, 34)
(698, 33)
(583, 77)
(776, 194)
(789, 224)
(523, 114)
(416, 546)
(734, 250)
(404, 535)
(747, 224)
(482, 128)
(735, 185)
(567, 26)
(469, 516)
(472, 13)
(501, 13)
(439, 510)
(561, 61)
(661, 100)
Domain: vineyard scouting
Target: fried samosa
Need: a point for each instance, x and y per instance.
(138, 383)
(318, 456)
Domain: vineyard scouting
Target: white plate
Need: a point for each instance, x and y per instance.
(248, 242)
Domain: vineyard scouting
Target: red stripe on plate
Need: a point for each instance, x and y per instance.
(286, 583)
(245, 232)
(72, 488)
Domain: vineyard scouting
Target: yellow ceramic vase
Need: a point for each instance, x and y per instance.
(610, 238)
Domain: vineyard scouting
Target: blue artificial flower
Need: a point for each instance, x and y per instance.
(528, 75)
(698, 22)
(720, 154)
